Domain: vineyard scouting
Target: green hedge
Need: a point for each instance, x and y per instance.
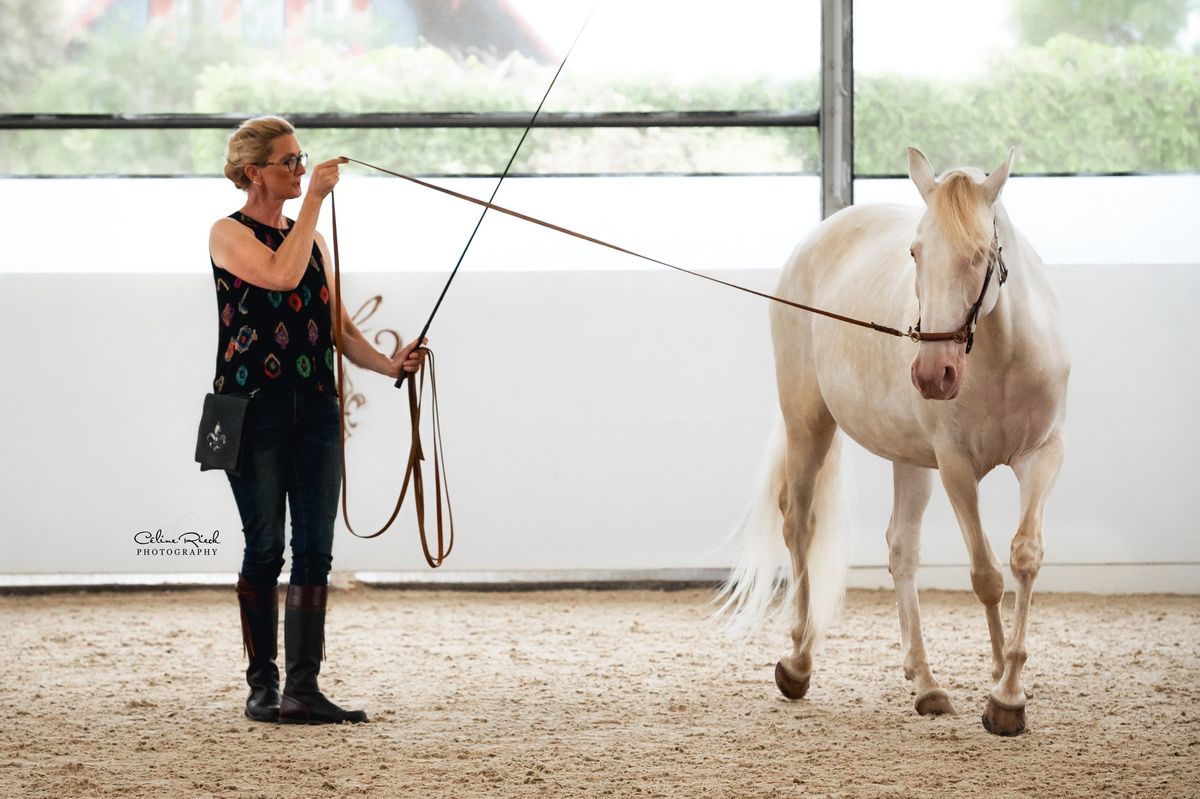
(1071, 106)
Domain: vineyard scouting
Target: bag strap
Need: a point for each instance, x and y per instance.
(412, 471)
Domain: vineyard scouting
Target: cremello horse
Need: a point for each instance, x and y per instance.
(960, 414)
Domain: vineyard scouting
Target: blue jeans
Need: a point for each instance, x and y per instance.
(292, 453)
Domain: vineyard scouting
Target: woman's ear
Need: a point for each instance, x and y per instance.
(252, 173)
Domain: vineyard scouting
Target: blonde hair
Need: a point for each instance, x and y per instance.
(251, 144)
(956, 207)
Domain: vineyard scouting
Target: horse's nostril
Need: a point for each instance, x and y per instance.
(948, 376)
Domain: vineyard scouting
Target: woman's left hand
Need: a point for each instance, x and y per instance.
(408, 359)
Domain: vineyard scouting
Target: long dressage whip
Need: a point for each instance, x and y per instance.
(499, 182)
(412, 472)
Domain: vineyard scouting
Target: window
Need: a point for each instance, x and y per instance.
(1105, 86)
(368, 56)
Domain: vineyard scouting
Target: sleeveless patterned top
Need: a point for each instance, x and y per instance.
(273, 338)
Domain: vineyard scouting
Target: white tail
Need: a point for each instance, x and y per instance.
(764, 566)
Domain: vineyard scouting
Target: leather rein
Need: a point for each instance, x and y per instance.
(416, 454)
(416, 392)
(416, 388)
(964, 334)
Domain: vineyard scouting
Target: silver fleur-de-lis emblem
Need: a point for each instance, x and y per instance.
(216, 439)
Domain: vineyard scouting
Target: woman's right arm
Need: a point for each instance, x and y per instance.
(235, 249)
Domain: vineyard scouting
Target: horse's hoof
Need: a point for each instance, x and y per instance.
(935, 703)
(1001, 720)
(789, 686)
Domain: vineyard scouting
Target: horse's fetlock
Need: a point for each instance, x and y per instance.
(1016, 656)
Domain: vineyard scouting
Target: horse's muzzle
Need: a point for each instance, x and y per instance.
(937, 371)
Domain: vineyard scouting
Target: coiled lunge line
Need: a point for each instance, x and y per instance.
(416, 392)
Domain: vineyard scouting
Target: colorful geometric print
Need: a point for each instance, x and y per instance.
(245, 337)
(246, 360)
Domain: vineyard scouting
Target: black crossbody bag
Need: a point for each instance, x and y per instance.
(220, 443)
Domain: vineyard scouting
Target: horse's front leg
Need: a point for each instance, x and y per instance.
(1036, 472)
(962, 487)
(913, 485)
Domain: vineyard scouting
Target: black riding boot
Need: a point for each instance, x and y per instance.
(260, 626)
(304, 646)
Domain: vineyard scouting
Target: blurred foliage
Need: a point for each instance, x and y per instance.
(1155, 23)
(31, 46)
(1071, 105)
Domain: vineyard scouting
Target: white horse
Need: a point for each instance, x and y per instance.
(961, 414)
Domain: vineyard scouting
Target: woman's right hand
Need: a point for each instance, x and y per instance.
(325, 176)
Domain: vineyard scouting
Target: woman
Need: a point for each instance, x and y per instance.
(276, 340)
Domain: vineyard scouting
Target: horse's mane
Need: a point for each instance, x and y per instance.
(956, 208)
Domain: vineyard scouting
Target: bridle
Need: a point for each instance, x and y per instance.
(966, 333)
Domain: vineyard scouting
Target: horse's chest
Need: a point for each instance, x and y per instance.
(870, 400)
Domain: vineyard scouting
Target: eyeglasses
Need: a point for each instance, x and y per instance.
(292, 162)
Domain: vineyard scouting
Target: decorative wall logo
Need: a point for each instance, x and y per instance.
(355, 400)
(189, 544)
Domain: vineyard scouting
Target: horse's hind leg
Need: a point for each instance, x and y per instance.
(810, 431)
(912, 486)
(1036, 472)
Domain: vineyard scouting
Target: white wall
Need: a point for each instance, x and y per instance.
(595, 418)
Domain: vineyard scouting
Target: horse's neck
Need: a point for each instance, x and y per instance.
(1014, 315)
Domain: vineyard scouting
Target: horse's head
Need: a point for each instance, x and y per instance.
(952, 251)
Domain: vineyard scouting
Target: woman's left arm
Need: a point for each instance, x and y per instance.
(354, 344)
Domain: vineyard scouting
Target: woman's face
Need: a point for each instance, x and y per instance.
(277, 178)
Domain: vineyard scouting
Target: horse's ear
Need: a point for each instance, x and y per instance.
(995, 181)
(921, 172)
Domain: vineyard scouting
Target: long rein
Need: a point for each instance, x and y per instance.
(416, 393)
(416, 388)
(416, 454)
(961, 335)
